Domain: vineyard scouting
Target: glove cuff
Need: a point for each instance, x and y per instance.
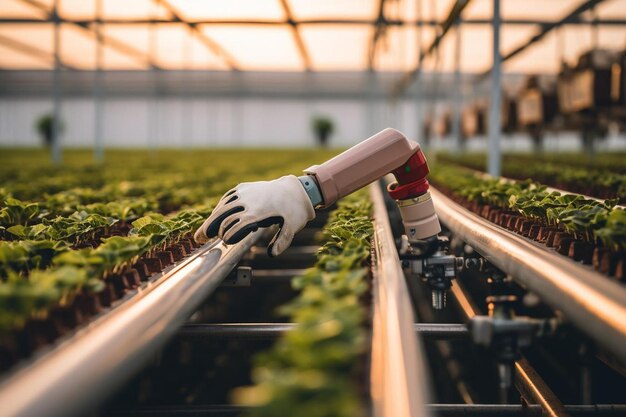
(296, 188)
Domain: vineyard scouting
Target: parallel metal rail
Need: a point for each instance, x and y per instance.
(399, 377)
(441, 410)
(269, 331)
(83, 370)
(593, 302)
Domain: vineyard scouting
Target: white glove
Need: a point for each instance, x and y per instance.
(251, 205)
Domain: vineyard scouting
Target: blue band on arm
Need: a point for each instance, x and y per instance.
(312, 190)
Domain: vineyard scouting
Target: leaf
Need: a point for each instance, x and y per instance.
(28, 232)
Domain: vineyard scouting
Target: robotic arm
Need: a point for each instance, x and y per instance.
(289, 201)
(386, 152)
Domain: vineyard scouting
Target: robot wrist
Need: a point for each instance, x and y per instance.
(312, 189)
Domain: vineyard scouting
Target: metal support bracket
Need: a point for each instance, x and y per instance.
(238, 277)
(435, 266)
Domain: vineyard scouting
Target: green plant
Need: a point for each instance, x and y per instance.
(583, 218)
(45, 128)
(312, 368)
(14, 212)
(602, 177)
(130, 207)
(323, 127)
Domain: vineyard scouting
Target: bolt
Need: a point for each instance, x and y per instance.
(473, 264)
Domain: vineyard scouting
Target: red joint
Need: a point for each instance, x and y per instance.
(414, 169)
(406, 191)
(411, 177)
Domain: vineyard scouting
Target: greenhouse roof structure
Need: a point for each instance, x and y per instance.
(303, 35)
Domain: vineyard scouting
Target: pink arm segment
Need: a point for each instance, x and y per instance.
(362, 164)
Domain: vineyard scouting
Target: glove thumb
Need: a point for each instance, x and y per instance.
(280, 242)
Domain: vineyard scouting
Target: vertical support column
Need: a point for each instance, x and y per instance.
(98, 154)
(56, 152)
(419, 113)
(372, 104)
(185, 100)
(237, 112)
(494, 152)
(153, 109)
(457, 96)
(419, 110)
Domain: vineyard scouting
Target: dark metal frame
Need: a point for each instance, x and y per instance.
(574, 20)
(297, 37)
(453, 15)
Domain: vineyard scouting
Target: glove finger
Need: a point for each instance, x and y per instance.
(226, 199)
(280, 242)
(239, 231)
(215, 220)
(244, 228)
(200, 235)
(230, 221)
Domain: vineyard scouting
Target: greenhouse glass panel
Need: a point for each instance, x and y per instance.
(397, 49)
(336, 47)
(257, 47)
(198, 10)
(78, 47)
(541, 58)
(38, 35)
(11, 58)
(19, 9)
(136, 37)
(77, 9)
(136, 9)
(113, 59)
(334, 9)
(611, 9)
(478, 9)
(539, 10)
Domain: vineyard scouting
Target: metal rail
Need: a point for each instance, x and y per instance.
(82, 371)
(442, 410)
(242, 331)
(399, 384)
(140, 21)
(594, 303)
(264, 331)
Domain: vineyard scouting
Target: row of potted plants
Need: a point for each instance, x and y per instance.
(67, 253)
(589, 231)
(592, 178)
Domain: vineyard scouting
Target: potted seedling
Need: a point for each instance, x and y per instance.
(323, 127)
(45, 126)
